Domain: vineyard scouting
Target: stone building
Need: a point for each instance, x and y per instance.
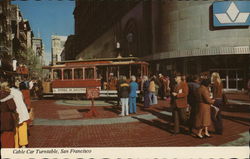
(38, 48)
(174, 36)
(57, 47)
(5, 28)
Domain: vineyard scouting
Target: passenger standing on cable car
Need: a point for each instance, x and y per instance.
(132, 95)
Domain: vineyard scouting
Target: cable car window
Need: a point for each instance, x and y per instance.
(67, 74)
(57, 74)
(78, 74)
(89, 73)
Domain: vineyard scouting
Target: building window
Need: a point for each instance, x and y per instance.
(57, 74)
(67, 74)
(78, 73)
(89, 73)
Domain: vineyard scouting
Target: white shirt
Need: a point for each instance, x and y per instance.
(21, 108)
(20, 105)
(14, 64)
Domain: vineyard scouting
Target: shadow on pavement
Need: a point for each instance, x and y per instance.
(113, 109)
(235, 108)
(83, 110)
(156, 123)
(239, 120)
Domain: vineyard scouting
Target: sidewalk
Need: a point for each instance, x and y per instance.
(151, 127)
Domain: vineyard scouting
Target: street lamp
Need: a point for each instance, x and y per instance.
(118, 47)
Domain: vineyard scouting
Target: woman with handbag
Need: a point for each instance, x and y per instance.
(203, 116)
(9, 118)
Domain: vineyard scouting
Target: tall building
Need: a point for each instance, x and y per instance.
(174, 36)
(57, 47)
(38, 48)
(5, 27)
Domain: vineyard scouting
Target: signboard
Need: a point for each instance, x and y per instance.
(92, 93)
(68, 90)
(231, 13)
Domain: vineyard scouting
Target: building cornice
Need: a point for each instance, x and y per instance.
(199, 52)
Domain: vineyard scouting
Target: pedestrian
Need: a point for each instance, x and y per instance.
(166, 85)
(146, 91)
(124, 95)
(179, 103)
(217, 85)
(9, 118)
(152, 90)
(21, 136)
(39, 90)
(193, 85)
(120, 80)
(217, 93)
(161, 86)
(203, 116)
(26, 96)
(132, 95)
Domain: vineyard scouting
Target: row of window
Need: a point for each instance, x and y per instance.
(78, 73)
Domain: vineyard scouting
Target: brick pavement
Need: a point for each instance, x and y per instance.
(142, 131)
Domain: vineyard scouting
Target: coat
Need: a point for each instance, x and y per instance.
(151, 86)
(182, 93)
(133, 88)
(217, 90)
(203, 116)
(8, 122)
(124, 90)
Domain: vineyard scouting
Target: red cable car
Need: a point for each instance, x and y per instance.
(74, 77)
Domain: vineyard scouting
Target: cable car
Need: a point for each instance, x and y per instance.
(74, 77)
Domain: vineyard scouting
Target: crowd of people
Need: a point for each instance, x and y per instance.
(201, 96)
(195, 100)
(16, 110)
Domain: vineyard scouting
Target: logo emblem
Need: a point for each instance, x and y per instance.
(232, 15)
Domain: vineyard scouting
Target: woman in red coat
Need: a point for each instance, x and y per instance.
(203, 116)
(8, 119)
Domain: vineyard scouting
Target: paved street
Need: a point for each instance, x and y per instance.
(63, 123)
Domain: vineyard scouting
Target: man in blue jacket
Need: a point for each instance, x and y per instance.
(132, 95)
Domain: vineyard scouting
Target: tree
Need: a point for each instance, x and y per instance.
(32, 61)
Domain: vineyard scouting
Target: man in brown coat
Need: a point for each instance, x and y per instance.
(179, 103)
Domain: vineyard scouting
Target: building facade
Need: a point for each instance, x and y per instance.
(38, 48)
(174, 36)
(57, 47)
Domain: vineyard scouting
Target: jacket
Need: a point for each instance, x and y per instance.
(133, 88)
(124, 90)
(182, 92)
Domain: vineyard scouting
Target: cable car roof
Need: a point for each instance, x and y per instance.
(100, 59)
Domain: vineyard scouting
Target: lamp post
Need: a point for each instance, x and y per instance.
(118, 47)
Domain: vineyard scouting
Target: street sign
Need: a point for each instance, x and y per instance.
(231, 13)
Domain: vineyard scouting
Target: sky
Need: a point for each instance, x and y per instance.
(48, 17)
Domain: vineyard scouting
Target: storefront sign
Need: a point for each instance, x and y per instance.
(231, 13)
